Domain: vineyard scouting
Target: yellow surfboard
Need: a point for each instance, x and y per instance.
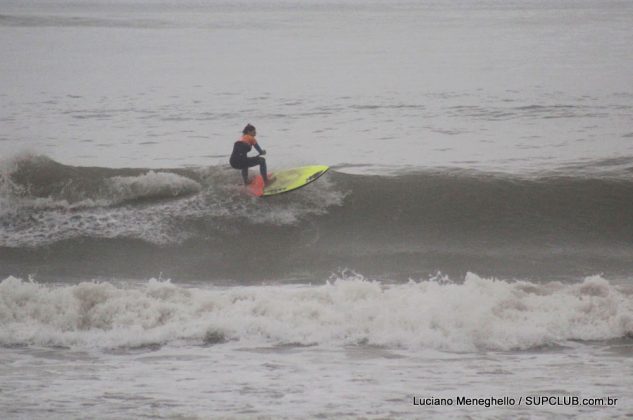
(286, 180)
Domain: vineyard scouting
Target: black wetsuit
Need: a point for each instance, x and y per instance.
(240, 160)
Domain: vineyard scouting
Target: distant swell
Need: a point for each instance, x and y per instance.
(480, 314)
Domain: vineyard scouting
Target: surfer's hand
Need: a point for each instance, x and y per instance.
(263, 152)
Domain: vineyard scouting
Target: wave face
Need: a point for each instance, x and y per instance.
(478, 314)
(199, 224)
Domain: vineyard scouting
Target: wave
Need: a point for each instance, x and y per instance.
(413, 222)
(478, 314)
(43, 202)
(55, 20)
(38, 178)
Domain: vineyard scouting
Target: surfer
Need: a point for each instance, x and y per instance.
(239, 158)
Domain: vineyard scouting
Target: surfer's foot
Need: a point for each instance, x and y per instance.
(269, 180)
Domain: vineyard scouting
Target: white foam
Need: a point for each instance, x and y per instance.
(35, 221)
(479, 313)
(314, 199)
(150, 185)
(116, 189)
(28, 228)
(116, 207)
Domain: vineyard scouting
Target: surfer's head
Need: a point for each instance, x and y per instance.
(249, 129)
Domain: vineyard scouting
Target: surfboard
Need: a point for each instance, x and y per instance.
(286, 180)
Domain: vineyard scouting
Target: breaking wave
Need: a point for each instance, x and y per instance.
(198, 223)
(43, 202)
(480, 313)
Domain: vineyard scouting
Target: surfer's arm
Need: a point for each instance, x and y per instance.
(259, 149)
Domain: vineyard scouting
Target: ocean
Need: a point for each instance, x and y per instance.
(469, 253)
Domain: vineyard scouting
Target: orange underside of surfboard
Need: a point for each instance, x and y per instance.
(256, 186)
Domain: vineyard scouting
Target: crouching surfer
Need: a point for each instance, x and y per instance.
(239, 158)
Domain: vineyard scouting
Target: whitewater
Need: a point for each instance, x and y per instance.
(472, 239)
(161, 350)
